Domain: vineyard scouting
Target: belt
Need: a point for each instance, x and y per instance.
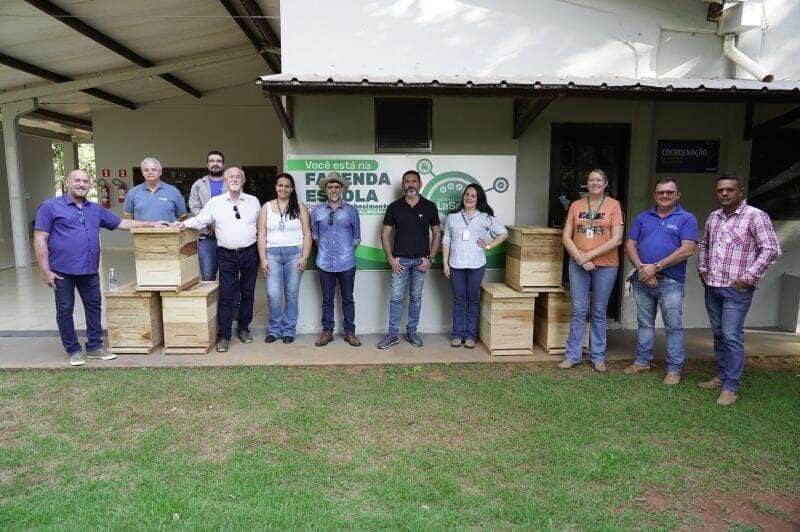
(239, 250)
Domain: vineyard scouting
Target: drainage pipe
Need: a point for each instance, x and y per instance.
(741, 59)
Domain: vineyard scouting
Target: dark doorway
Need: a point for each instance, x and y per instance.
(575, 150)
(774, 184)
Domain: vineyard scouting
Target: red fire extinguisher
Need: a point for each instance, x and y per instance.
(105, 193)
(121, 190)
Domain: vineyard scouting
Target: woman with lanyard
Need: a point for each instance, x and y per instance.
(469, 232)
(284, 244)
(592, 232)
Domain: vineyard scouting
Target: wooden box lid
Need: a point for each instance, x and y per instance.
(503, 291)
(128, 290)
(201, 289)
(157, 230)
(534, 229)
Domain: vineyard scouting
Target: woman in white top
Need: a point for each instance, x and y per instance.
(284, 244)
(469, 232)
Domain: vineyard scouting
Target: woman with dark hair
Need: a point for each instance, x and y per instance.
(469, 232)
(284, 244)
(592, 232)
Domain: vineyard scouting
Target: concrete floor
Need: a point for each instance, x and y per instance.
(29, 339)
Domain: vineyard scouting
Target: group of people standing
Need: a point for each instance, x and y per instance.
(737, 246)
(237, 236)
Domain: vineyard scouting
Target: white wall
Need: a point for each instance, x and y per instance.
(38, 181)
(180, 132)
(345, 125)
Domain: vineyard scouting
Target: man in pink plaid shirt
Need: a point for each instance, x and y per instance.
(737, 247)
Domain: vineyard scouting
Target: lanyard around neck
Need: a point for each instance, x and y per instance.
(592, 215)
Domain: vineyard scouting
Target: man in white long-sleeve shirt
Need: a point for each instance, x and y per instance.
(235, 218)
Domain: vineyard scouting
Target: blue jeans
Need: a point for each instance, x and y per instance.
(207, 255)
(668, 296)
(414, 279)
(727, 308)
(89, 290)
(347, 281)
(466, 284)
(600, 282)
(283, 282)
(237, 283)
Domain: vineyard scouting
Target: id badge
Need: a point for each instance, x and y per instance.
(465, 234)
(590, 232)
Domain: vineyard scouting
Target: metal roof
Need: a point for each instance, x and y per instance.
(159, 30)
(655, 88)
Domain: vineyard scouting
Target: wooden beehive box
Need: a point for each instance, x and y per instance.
(551, 322)
(506, 320)
(166, 258)
(190, 319)
(534, 257)
(133, 321)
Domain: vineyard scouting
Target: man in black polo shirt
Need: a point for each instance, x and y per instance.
(414, 218)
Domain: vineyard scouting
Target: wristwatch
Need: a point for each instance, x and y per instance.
(431, 259)
(657, 266)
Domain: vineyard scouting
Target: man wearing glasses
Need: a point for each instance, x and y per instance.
(659, 242)
(66, 238)
(235, 218)
(336, 228)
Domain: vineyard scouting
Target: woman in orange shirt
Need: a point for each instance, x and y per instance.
(592, 232)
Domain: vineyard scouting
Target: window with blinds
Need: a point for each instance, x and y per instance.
(403, 125)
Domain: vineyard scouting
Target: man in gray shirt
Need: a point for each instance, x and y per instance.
(203, 190)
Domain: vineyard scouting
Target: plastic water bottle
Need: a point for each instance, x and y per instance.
(113, 285)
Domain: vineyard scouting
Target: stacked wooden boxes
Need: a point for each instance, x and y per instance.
(166, 258)
(534, 258)
(166, 263)
(506, 320)
(133, 320)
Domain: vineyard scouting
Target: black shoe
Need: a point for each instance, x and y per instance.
(288, 339)
(245, 337)
(270, 338)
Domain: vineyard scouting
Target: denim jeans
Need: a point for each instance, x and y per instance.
(599, 282)
(89, 290)
(414, 280)
(346, 281)
(668, 296)
(237, 283)
(283, 282)
(207, 255)
(466, 284)
(727, 308)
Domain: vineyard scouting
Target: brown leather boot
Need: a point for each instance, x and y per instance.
(671, 379)
(727, 398)
(712, 384)
(352, 339)
(324, 339)
(635, 368)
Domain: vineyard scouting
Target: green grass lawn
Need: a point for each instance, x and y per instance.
(417, 447)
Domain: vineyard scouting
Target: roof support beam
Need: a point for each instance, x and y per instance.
(260, 20)
(60, 118)
(526, 112)
(53, 76)
(44, 133)
(273, 65)
(770, 125)
(284, 112)
(106, 78)
(101, 38)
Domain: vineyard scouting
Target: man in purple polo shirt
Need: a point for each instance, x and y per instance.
(659, 242)
(66, 238)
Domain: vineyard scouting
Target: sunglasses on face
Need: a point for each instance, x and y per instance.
(665, 193)
(330, 218)
(236, 212)
(81, 217)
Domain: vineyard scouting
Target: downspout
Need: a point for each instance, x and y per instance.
(741, 59)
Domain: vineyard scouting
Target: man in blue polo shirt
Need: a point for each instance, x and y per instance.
(659, 242)
(154, 200)
(66, 238)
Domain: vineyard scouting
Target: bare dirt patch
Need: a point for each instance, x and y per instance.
(756, 508)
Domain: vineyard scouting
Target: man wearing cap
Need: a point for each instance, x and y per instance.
(336, 228)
